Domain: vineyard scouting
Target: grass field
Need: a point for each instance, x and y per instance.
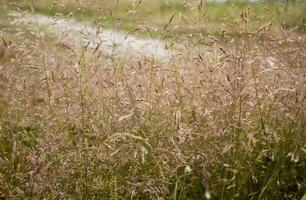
(189, 17)
(224, 118)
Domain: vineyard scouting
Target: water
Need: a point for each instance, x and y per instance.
(109, 42)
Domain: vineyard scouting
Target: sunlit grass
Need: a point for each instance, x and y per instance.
(224, 118)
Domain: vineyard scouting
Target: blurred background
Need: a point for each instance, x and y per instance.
(147, 17)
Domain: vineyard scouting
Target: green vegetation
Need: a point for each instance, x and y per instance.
(190, 17)
(223, 119)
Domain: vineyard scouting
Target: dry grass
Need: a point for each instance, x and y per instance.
(224, 119)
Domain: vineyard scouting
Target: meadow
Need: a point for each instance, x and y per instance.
(221, 117)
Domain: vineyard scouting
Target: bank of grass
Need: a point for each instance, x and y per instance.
(225, 119)
(189, 17)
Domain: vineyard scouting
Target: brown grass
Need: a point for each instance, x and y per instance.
(224, 119)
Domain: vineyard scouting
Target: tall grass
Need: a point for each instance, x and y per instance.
(224, 119)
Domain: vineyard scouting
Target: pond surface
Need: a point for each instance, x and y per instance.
(109, 42)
